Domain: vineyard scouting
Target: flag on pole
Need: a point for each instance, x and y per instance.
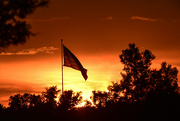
(70, 60)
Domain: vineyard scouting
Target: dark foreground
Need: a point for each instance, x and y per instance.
(162, 111)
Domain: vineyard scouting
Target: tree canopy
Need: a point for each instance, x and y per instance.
(14, 29)
(139, 80)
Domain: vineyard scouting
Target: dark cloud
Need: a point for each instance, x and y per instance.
(8, 89)
(14, 88)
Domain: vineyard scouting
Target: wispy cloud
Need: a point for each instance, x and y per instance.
(47, 19)
(107, 18)
(9, 88)
(144, 19)
(32, 51)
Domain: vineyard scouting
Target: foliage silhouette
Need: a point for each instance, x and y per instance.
(165, 79)
(24, 101)
(69, 99)
(139, 80)
(100, 98)
(13, 28)
(88, 103)
(50, 96)
(134, 84)
(1, 107)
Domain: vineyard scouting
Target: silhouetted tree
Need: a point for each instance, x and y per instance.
(36, 100)
(139, 80)
(69, 99)
(1, 107)
(15, 102)
(165, 79)
(163, 83)
(87, 103)
(13, 27)
(100, 98)
(50, 96)
(24, 101)
(115, 92)
(134, 84)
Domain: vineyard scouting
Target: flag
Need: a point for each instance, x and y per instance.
(70, 60)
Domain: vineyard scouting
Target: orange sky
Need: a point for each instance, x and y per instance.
(96, 31)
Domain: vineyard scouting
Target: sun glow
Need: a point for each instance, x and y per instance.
(35, 75)
(80, 105)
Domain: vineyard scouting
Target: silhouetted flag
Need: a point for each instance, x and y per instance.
(70, 60)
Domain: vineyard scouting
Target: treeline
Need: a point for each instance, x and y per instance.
(143, 94)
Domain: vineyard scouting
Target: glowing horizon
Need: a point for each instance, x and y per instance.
(34, 75)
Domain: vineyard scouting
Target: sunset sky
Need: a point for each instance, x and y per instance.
(96, 31)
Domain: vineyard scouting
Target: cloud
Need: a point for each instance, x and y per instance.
(10, 88)
(144, 19)
(107, 18)
(47, 19)
(32, 51)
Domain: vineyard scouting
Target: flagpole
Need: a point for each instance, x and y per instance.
(62, 54)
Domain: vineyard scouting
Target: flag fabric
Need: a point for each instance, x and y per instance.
(70, 60)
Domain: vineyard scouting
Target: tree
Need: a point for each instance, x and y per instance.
(69, 99)
(24, 101)
(87, 103)
(135, 82)
(27, 100)
(15, 102)
(50, 96)
(36, 100)
(163, 82)
(139, 80)
(165, 79)
(1, 107)
(101, 98)
(13, 28)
